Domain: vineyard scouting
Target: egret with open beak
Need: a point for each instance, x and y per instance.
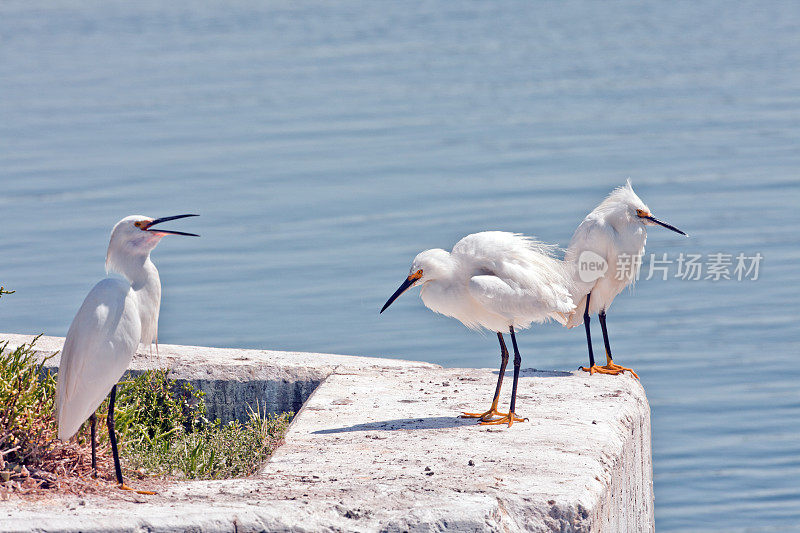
(116, 316)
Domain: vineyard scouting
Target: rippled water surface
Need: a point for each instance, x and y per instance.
(325, 143)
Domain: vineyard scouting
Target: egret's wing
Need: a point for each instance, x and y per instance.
(593, 235)
(516, 276)
(99, 346)
(511, 256)
(492, 248)
(523, 304)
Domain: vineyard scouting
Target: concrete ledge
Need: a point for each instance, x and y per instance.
(234, 379)
(378, 447)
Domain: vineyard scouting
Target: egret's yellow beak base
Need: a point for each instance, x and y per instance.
(647, 216)
(410, 280)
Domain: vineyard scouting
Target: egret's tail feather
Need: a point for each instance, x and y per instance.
(561, 318)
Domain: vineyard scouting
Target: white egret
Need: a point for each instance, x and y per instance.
(604, 256)
(116, 316)
(498, 281)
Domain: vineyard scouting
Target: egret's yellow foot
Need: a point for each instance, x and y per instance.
(485, 417)
(610, 368)
(123, 486)
(509, 418)
(613, 366)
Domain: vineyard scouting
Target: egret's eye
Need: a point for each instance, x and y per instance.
(416, 275)
(641, 213)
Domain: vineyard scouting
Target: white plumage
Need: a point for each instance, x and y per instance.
(498, 281)
(117, 315)
(100, 343)
(495, 280)
(615, 233)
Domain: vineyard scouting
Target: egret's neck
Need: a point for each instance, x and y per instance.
(146, 279)
(143, 277)
(148, 293)
(137, 268)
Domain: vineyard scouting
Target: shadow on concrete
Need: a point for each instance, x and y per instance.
(533, 373)
(433, 422)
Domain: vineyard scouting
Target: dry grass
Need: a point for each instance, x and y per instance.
(31, 457)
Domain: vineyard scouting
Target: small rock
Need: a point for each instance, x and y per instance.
(427, 469)
(471, 462)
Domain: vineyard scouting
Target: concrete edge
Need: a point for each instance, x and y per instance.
(618, 457)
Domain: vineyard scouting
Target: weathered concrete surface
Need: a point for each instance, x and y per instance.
(235, 380)
(379, 448)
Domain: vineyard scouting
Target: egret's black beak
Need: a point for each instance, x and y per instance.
(168, 232)
(653, 219)
(403, 288)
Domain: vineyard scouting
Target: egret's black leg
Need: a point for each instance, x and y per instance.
(511, 417)
(493, 409)
(588, 332)
(517, 363)
(112, 436)
(611, 367)
(602, 317)
(503, 363)
(93, 420)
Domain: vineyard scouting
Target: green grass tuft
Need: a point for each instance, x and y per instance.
(27, 398)
(214, 451)
(153, 407)
(163, 432)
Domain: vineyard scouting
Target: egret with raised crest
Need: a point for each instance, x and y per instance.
(603, 257)
(498, 281)
(116, 316)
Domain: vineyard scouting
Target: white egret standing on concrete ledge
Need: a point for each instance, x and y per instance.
(498, 281)
(115, 317)
(604, 256)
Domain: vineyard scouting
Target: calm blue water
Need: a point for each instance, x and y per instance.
(326, 143)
